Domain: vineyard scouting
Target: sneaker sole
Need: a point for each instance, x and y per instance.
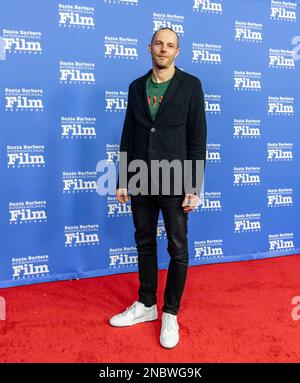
(135, 322)
(165, 346)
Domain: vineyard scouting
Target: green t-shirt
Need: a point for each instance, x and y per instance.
(155, 94)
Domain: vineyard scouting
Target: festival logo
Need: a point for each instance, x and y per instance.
(247, 31)
(117, 47)
(78, 127)
(81, 235)
(123, 257)
(79, 181)
(213, 103)
(246, 128)
(77, 73)
(246, 175)
(280, 197)
(23, 100)
(117, 209)
(25, 156)
(33, 266)
(281, 59)
(247, 81)
(245, 223)
(22, 42)
(76, 16)
(213, 152)
(204, 53)
(283, 10)
(279, 151)
(280, 106)
(115, 100)
(211, 201)
(163, 20)
(208, 249)
(208, 6)
(281, 242)
(27, 212)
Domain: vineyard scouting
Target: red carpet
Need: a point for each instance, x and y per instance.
(230, 312)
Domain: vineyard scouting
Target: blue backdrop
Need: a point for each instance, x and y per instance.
(65, 71)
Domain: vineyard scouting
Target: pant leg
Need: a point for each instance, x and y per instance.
(145, 213)
(176, 225)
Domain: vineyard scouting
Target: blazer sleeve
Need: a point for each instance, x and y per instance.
(126, 144)
(197, 132)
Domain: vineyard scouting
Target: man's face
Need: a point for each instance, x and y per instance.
(164, 49)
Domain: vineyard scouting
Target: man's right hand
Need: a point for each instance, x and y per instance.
(122, 195)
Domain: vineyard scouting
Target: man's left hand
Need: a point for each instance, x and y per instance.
(189, 203)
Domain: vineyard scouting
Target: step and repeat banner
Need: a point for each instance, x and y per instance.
(65, 69)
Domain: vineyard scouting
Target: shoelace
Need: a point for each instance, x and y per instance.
(132, 307)
(169, 322)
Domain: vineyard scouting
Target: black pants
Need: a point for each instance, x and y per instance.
(145, 212)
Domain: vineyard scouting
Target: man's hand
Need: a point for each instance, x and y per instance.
(122, 195)
(189, 203)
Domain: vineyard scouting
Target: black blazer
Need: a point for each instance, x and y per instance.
(178, 132)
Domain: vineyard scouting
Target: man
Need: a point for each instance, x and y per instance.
(165, 120)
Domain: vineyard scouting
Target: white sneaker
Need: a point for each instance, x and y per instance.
(136, 313)
(169, 335)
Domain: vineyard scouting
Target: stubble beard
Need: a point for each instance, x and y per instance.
(161, 66)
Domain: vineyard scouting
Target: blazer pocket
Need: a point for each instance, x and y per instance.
(173, 115)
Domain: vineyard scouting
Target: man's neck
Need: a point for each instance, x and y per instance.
(162, 75)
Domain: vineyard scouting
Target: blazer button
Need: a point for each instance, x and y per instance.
(153, 130)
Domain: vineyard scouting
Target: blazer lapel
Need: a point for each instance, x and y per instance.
(144, 93)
